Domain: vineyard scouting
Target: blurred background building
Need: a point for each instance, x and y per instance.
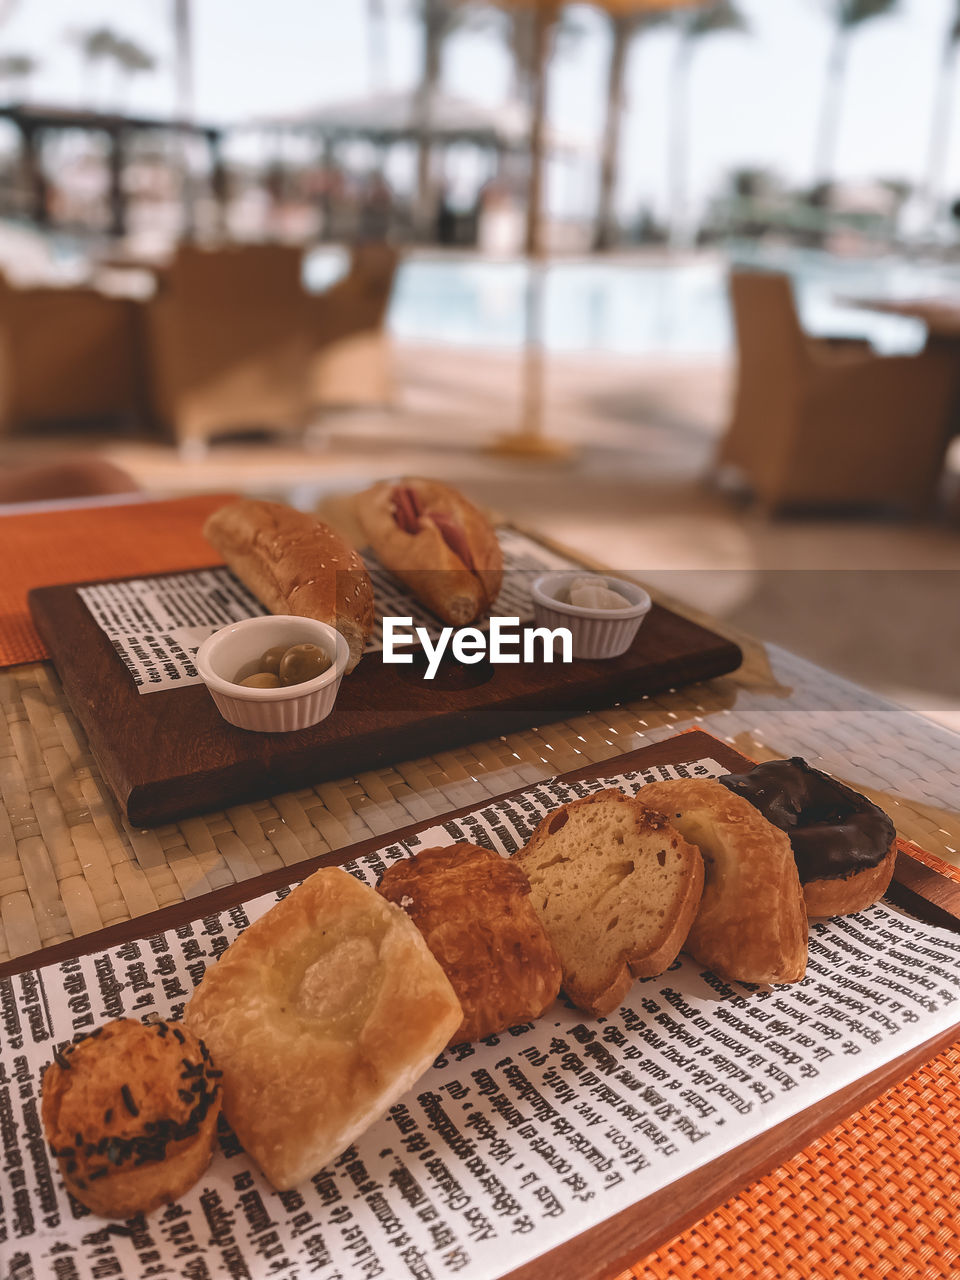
(285, 250)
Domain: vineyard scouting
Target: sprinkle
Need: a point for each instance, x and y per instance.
(78, 1139)
(161, 1028)
(108, 1115)
(185, 1094)
(128, 1101)
(71, 1166)
(214, 1073)
(179, 1034)
(98, 1173)
(97, 1031)
(60, 1060)
(114, 1152)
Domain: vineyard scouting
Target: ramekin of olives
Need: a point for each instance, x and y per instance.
(275, 673)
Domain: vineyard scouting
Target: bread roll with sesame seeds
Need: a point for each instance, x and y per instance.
(295, 564)
(130, 1112)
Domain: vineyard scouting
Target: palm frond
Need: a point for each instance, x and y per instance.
(853, 13)
(715, 19)
(13, 66)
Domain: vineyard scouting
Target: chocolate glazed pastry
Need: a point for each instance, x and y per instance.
(843, 844)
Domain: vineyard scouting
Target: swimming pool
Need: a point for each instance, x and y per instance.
(632, 307)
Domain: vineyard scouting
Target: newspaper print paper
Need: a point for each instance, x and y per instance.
(157, 624)
(504, 1149)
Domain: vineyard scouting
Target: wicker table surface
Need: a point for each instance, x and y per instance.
(69, 864)
(877, 1196)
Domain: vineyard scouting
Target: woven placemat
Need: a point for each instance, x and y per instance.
(876, 1197)
(879, 1195)
(70, 865)
(43, 548)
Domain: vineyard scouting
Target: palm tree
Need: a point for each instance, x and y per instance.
(130, 59)
(722, 17)
(439, 19)
(624, 28)
(940, 124)
(96, 45)
(104, 45)
(848, 17)
(518, 29)
(183, 58)
(377, 57)
(16, 69)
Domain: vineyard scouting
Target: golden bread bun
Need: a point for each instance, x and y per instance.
(295, 564)
(130, 1113)
(473, 908)
(436, 543)
(752, 923)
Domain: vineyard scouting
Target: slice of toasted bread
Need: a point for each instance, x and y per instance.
(617, 889)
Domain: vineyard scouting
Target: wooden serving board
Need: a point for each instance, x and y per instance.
(607, 1249)
(169, 754)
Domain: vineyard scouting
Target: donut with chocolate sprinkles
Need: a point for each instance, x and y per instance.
(127, 1133)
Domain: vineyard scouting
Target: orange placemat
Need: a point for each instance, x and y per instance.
(43, 548)
(877, 1196)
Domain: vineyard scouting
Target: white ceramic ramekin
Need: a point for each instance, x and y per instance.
(596, 633)
(236, 649)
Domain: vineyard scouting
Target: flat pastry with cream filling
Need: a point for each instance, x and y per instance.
(321, 1015)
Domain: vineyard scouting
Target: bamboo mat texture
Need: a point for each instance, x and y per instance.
(879, 1196)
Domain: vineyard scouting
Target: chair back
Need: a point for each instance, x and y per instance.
(771, 367)
(241, 275)
(228, 339)
(770, 340)
(357, 303)
(67, 355)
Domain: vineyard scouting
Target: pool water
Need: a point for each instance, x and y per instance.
(624, 307)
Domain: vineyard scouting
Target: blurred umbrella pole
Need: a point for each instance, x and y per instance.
(529, 439)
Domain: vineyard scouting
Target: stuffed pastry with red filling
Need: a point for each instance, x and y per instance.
(436, 543)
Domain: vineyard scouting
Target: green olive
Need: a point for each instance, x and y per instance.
(271, 659)
(262, 680)
(303, 662)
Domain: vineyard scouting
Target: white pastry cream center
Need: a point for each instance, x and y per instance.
(336, 984)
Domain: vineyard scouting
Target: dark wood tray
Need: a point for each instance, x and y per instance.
(169, 754)
(608, 1249)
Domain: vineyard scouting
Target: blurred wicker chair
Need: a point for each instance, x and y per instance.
(236, 341)
(227, 341)
(351, 359)
(67, 356)
(822, 423)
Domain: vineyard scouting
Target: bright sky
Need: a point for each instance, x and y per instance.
(754, 99)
